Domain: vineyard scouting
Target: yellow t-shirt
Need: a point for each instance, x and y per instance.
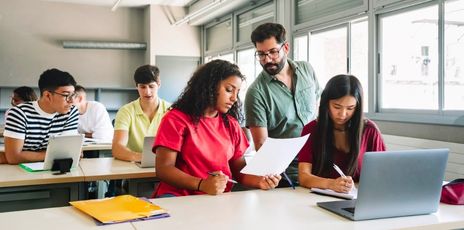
(131, 118)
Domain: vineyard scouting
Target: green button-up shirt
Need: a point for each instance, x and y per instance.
(269, 103)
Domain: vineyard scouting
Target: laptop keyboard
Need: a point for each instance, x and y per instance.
(349, 209)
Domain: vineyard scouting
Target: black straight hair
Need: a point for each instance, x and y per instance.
(324, 146)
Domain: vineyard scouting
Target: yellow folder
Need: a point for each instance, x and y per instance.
(118, 209)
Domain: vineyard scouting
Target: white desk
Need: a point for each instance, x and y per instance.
(96, 146)
(256, 209)
(21, 190)
(279, 209)
(141, 181)
(54, 218)
(110, 168)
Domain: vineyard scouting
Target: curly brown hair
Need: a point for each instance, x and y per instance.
(202, 90)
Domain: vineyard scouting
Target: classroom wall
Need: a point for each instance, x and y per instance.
(31, 35)
(168, 40)
(447, 133)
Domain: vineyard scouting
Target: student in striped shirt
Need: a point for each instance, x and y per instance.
(29, 125)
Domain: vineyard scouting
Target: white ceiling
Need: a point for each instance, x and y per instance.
(126, 3)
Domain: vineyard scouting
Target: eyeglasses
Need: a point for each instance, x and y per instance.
(272, 54)
(67, 97)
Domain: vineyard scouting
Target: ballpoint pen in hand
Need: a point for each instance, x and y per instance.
(339, 171)
(230, 180)
(289, 180)
(353, 188)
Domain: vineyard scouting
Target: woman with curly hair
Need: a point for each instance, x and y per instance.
(340, 135)
(199, 145)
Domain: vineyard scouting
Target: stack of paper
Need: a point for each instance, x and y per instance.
(120, 209)
(353, 194)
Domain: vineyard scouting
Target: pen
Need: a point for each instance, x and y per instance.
(230, 180)
(288, 179)
(339, 170)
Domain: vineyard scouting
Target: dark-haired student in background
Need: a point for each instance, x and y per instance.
(340, 135)
(23, 94)
(140, 117)
(199, 144)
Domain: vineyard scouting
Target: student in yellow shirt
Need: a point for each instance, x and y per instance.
(139, 118)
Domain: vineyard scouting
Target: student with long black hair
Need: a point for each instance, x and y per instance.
(340, 135)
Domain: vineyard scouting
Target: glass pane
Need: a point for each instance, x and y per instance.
(219, 37)
(249, 67)
(228, 57)
(454, 55)
(359, 56)
(409, 59)
(208, 59)
(327, 53)
(300, 50)
(309, 10)
(248, 21)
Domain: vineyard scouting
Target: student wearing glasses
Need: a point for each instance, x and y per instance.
(139, 118)
(200, 145)
(29, 125)
(340, 135)
(283, 97)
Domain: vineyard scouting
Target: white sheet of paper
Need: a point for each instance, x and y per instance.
(274, 156)
(353, 194)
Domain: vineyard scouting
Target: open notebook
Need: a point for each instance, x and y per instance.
(353, 194)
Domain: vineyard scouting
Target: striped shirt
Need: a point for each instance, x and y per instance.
(31, 124)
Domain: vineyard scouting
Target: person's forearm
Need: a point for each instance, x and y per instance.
(311, 181)
(177, 178)
(24, 156)
(125, 154)
(247, 180)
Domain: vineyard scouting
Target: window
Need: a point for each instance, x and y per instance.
(300, 48)
(359, 57)
(249, 67)
(219, 36)
(454, 55)
(328, 53)
(318, 11)
(249, 20)
(409, 59)
(228, 57)
(337, 50)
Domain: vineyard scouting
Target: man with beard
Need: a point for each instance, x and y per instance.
(284, 96)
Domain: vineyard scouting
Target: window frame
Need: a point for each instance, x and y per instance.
(422, 116)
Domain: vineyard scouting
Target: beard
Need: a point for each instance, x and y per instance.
(274, 68)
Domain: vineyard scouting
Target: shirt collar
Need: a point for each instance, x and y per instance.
(138, 107)
(270, 78)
